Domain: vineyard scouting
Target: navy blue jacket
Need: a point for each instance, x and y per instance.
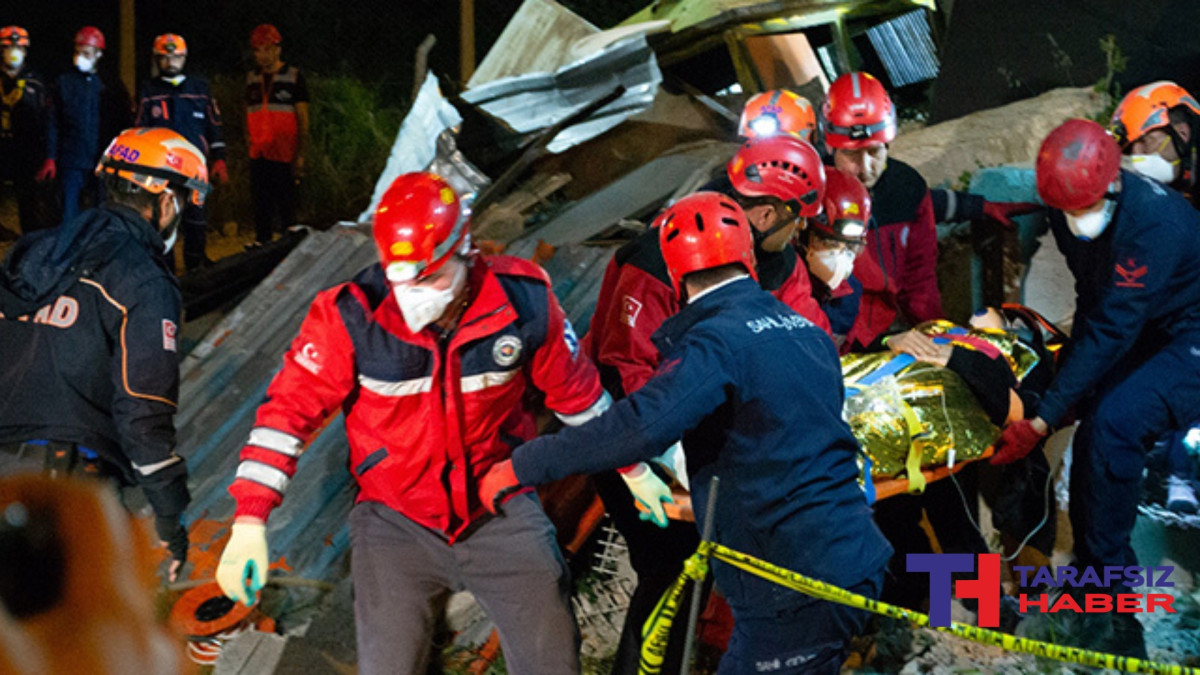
(1139, 278)
(87, 114)
(187, 108)
(755, 392)
(88, 318)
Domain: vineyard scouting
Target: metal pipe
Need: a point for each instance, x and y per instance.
(694, 612)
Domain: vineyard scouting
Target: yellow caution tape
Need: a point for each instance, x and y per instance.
(658, 626)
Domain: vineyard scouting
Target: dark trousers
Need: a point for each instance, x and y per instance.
(76, 185)
(1136, 407)
(404, 573)
(24, 188)
(811, 637)
(195, 236)
(273, 189)
(657, 556)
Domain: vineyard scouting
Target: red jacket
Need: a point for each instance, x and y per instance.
(425, 418)
(636, 297)
(902, 240)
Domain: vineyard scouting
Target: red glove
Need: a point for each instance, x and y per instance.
(1002, 212)
(1016, 441)
(48, 171)
(497, 485)
(218, 172)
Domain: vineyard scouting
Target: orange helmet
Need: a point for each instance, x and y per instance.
(419, 224)
(778, 111)
(847, 208)
(90, 36)
(155, 158)
(170, 43)
(857, 113)
(14, 35)
(701, 231)
(1145, 109)
(264, 34)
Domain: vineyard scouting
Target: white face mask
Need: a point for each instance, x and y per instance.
(1091, 225)
(172, 231)
(1155, 167)
(421, 305)
(84, 64)
(833, 266)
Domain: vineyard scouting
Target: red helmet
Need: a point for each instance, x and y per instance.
(701, 231)
(857, 113)
(778, 111)
(170, 43)
(265, 34)
(1076, 164)
(14, 35)
(847, 208)
(780, 166)
(419, 225)
(90, 36)
(1145, 109)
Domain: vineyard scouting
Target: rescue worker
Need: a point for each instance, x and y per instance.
(755, 391)
(184, 104)
(24, 114)
(1157, 125)
(277, 126)
(88, 324)
(1131, 372)
(831, 246)
(87, 111)
(636, 297)
(778, 111)
(429, 354)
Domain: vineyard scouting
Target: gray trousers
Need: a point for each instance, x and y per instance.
(403, 574)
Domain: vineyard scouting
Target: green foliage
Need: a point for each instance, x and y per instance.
(351, 135)
(1115, 62)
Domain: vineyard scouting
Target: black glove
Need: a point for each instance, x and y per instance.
(171, 530)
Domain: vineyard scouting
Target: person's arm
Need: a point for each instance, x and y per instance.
(919, 297)
(52, 123)
(214, 132)
(144, 367)
(563, 373)
(640, 303)
(142, 115)
(302, 126)
(684, 390)
(1113, 326)
(317, 376)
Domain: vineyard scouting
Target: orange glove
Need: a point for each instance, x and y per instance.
(218, 172)
(1002, 212)
(497, 485)
(48, 171)
(1016, 441)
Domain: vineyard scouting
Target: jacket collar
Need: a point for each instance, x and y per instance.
(731, 294)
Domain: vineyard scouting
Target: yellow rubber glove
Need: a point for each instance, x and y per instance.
(649, 490)
(242, 571)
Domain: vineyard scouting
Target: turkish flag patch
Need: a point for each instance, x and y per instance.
(169, 331)
(630, 308)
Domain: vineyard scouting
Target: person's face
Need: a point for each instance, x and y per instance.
(440, 279)
(765, 216)
(1086, 210)
(817, 241)
(267, 55)
(14, 56)
(171, 65)
(1155, 142)
(865, 164)
(87, 51)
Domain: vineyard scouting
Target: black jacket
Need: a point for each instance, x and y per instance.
(88, 318)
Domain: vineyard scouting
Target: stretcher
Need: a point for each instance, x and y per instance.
(681, 509)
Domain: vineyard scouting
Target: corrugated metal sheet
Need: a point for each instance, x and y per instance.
(536, 101)
(905, 44)
(224, 379)
(417, 141)
(541, 37)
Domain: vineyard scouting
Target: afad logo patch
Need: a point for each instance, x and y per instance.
(1130, 274)
(986, 587)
